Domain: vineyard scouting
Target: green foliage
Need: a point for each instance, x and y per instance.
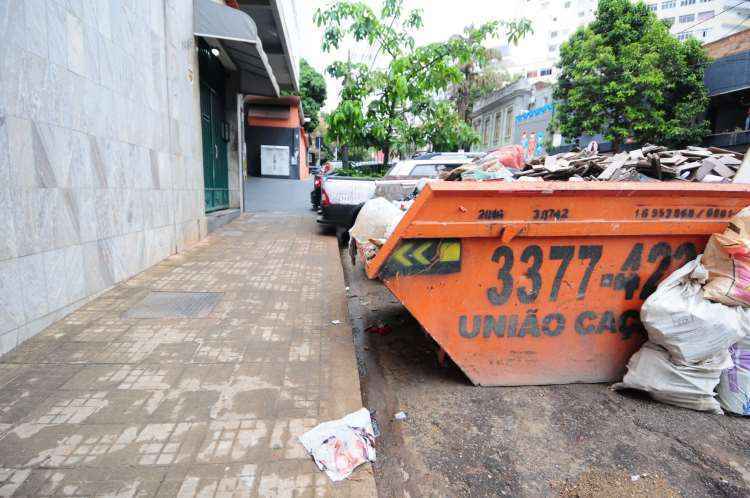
(446, 130)
(626, 76)
(312, 92)
(391, 108)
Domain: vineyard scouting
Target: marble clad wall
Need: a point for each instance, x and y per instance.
(100, 150)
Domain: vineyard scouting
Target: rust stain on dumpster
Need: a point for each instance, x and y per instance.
(551, 293)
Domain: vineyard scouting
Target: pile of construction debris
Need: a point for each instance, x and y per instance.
(649, 163)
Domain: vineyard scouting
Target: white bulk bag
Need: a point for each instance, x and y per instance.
(734, 386)
(692, 328)
(688, 386)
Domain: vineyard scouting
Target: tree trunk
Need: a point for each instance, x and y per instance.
(386, 154)
(345, 155)
(616, 144)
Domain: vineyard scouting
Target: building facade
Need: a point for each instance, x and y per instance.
(706, 20)
(275, 132)
(103, 146)
(554, 21)
(728, 83)
(517, 114)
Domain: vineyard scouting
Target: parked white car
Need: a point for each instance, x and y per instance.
(342, 197)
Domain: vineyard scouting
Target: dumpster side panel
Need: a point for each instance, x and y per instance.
(544, 310)
(543, 283)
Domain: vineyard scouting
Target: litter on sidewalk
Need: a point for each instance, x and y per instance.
(340, 446)
(381, 329)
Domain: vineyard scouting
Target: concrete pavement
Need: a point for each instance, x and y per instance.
(206, 397)
(278, 195)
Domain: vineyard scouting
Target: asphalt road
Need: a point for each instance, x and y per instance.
(573, 440)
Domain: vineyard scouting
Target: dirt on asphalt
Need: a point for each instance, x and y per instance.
(581, 440)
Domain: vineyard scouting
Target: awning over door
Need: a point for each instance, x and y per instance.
(237, 34)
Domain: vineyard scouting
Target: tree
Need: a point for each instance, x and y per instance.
(312, 91)
(481, 78)
(446, 130)
(387, 107)
(626, 76)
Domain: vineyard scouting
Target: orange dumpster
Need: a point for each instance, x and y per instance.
(542, 283)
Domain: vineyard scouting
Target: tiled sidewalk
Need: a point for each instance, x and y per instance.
(103, 404)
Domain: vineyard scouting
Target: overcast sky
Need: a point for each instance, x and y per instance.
(442, 18)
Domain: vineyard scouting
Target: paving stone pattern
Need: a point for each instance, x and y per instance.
(104, 404)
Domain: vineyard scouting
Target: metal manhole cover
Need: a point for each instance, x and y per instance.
(174, 305)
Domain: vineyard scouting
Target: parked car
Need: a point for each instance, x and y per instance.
(328, 168)
(343, 196)
(402, 179)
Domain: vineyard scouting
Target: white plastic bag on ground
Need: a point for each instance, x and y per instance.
(692, 328)
(688, 386)
(376, 220)
(734, 386)
(340, 446)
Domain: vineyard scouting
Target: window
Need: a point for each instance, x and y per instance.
(705, 1)
(669, 21)
(686, 2)
(705, 16)
(552, 48)
(532, 74)
(553, 34)
(567, 5)
(424, 170)
(581, 14)
(687, 18)
(684, 36)
(508, 136)
(486, 134)
(478, 125)
(704, 33)
(498, 128)
(653, 6)
(669, 4)
(545, 72)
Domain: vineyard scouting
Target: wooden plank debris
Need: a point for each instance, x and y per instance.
(649, 163)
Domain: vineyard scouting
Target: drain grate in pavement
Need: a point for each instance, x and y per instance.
(174, 305)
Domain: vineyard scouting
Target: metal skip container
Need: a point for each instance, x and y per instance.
(542, 283)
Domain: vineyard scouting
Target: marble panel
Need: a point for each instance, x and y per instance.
(5, 174)
(104, 214)
(81, 171)
(98, 156)
(65, 274)
(34, 283)
(36, 27)
(75, 44)
(106, 58)
(33, 214)
(52, 155)
(11, 297)
(66, 227)
(97, 262)
(21, 148)
(85, 200)
(57, 36)
(91, 51)
(8, 247)
(57, 109)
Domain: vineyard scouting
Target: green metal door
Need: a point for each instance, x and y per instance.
(215, 133)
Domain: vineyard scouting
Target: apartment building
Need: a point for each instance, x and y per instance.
(706, 20)
(554, 21)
